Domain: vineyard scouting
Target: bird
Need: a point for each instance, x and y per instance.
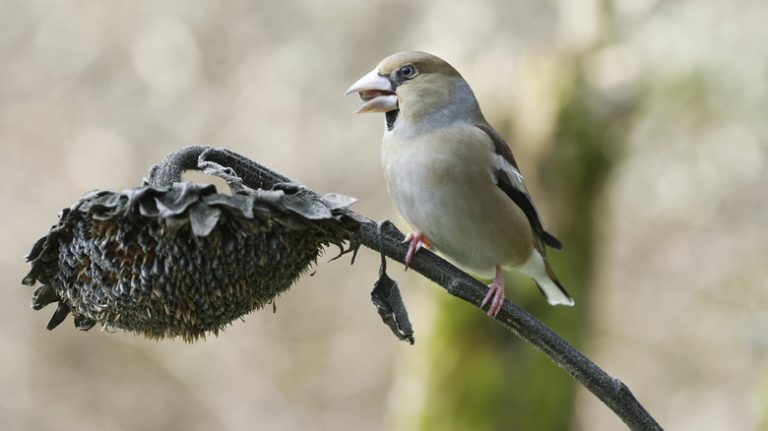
(453, 177)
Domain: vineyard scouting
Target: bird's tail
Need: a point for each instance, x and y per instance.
(554, 291)
(539, 270)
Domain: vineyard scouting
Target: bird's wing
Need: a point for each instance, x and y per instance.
(511, 182)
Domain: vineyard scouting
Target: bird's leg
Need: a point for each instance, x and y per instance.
(495, 294)
(416, 241)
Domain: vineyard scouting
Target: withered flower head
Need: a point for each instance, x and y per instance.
(181, 260)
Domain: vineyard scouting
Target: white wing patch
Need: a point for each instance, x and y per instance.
(513, 174)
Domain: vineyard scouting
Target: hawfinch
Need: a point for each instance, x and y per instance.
(453, 177)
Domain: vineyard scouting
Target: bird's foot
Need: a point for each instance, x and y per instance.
(495, 294)
(416, 241)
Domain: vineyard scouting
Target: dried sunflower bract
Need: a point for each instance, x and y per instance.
(181, 260)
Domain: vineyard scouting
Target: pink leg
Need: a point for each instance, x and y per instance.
(495, 294)
(417, 240)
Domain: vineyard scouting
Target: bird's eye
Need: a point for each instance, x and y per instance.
(407, 71)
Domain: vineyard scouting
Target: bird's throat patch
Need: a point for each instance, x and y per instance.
(391, 117)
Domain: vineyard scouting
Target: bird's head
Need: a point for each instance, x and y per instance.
(418, 85)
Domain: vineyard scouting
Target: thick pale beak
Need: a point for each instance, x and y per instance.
(376, 92)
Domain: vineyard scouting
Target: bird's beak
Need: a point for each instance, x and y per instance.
(376, 92)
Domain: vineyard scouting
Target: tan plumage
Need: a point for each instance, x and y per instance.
(437, 197)
(452, 176)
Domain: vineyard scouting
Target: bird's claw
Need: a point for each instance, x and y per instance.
(495, 295)
(416, 241)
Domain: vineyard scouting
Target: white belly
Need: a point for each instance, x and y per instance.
(439, 197)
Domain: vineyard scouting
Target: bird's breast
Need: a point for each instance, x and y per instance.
(442, 184)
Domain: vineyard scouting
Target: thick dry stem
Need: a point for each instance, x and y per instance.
(611, 391)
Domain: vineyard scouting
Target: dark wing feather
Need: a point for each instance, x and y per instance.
(522, 200)
(517, 193)
(499, 145)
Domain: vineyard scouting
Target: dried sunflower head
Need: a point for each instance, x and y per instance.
(181, 260)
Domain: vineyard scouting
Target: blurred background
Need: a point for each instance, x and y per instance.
(641, 127)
